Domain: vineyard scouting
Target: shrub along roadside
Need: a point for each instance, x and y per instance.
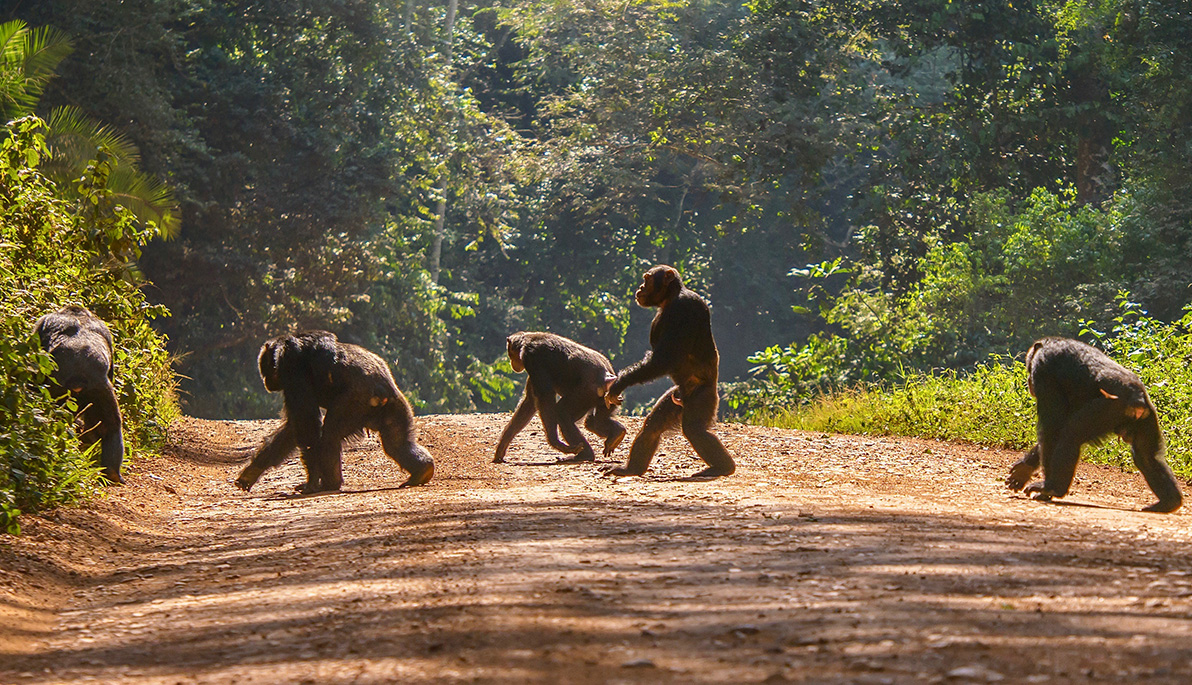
(991, 405)
(55, 252)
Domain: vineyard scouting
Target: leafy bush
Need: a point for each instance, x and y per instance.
(53, 253)
(1039, 268)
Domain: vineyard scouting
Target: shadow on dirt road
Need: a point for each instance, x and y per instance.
(825, 559)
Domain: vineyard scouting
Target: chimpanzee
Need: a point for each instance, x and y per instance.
(580, 376)
(313, 369)
(81, 344)
(682, 348)
(1082, 396)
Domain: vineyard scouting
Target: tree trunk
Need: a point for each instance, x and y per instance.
(436, 246)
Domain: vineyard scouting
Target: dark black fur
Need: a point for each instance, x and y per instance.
(683, 349)
(1082, 396)
(313, 370)
(579, 376)
(81, 344)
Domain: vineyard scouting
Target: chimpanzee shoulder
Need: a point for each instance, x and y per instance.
(1081, 368)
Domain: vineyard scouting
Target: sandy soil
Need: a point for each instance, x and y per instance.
(825, 559)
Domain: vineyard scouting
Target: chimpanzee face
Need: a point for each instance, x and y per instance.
(659, 284)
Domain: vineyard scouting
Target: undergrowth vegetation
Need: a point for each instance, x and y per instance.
(54, 252)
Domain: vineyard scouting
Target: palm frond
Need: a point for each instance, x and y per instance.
(147, 197)
(77, 139)
(28, 58)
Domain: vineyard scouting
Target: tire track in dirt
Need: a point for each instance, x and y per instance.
(824, 559)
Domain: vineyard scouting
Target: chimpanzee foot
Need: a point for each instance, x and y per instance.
(563, 447)
(421, 478)
(712, 472)
(1163, 507)
(113, 477)
(611, 444)
(1039, 492)
(586, 455)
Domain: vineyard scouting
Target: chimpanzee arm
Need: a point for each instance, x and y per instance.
(643, 371)
(521, 417)
(112, 448)
(302, 408)
(670, 344)
(277, 447)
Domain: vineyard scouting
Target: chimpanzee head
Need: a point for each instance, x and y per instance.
(514, 345)
(269, 361)
(659, 285)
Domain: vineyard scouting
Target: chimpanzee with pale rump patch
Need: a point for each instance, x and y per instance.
(682, 348)
(1083, 396)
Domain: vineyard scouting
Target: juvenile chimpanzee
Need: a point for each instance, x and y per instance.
(682, 348)
(1082, 396)
(81, 344)
(580, 376)
(313, 370)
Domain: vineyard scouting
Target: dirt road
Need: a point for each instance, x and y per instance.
(824, 559)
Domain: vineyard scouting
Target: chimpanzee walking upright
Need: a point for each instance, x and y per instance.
(682, 348)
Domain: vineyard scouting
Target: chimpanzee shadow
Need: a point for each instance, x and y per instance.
(556, 462)
(1090, 505)
(1069, 503)
(697, 479)
(327, 493)
(199, 453)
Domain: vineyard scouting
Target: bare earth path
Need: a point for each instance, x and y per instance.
(825, 559)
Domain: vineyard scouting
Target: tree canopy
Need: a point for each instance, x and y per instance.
(857, 187)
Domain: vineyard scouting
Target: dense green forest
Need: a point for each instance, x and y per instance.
(860, 189)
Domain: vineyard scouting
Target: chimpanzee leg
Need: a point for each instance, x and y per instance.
(277, 447)
(394, 422)
(549, 411)
(665, 416)
(699, 413)
(318, 474)
(602, 423)
(1092, 420)
(571, 408)
(101, 421)
(1147, 449)
(1053, 413)
(347, 416)
(520, 419)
